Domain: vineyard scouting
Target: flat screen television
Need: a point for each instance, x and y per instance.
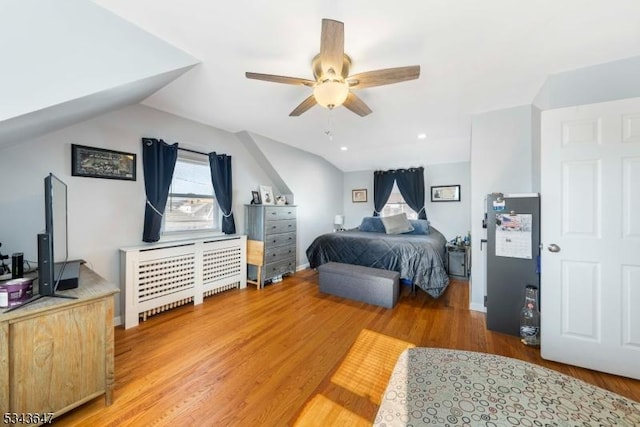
(65, 274)
(55, 272)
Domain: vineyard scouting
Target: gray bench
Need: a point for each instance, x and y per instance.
(366, 284)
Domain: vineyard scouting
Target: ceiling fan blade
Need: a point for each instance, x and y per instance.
(383, 77)
(357, 105)
(281, 79)
(332, 46)
(304, 106)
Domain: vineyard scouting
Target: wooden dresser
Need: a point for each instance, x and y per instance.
(276, 226)
(56, 354)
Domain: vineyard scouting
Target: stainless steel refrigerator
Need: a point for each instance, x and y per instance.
(513, 257)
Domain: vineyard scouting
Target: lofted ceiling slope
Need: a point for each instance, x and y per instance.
(474, 57)
(67, 61)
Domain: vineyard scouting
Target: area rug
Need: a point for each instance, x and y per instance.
(442, 387)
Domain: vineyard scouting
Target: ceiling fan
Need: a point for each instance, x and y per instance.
(333, 85)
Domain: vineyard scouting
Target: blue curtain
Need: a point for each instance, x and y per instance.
(382, 186)
(220, 165)
(158, 161)
(411, 185)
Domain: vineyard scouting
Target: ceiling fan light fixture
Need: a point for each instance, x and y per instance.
(331, 93)
(332, 81)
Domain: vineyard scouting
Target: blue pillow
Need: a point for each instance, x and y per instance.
(420, 226)
(372, 224)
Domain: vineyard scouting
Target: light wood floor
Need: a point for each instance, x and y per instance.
(267, 357)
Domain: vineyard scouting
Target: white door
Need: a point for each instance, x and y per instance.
(590, 232)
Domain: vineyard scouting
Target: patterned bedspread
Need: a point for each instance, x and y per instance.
(418, 258)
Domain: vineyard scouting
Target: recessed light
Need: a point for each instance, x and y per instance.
(422, 136)
(344, 148)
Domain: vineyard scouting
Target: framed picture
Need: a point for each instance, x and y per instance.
(95, 162)
(266, 195)
(359, 195)
(445, 193)
(255, 198)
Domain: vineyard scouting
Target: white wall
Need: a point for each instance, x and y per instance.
(501, 161)
(69, 61)
(354, 212)
(316, 185)
(105, 215)
(598, 83)
(451, 218)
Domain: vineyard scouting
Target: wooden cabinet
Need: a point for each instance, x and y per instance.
(276, 227)
(56, 354)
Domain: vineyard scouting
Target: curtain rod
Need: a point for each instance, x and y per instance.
(193, 151)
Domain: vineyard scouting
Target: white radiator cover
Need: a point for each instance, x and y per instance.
(165, 275)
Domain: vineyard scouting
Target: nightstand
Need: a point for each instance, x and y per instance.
(458, 260)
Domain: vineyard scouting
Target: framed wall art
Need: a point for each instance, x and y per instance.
(95, 162)
(266, 195)
(445, 193)
(255, 198)
(359, 195)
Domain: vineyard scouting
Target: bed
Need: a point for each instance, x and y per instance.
(418, 255)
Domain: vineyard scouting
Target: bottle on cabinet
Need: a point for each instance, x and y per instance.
(530, 318)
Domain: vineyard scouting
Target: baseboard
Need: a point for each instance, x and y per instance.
(117, 321)
(477, 307)
(302, 267)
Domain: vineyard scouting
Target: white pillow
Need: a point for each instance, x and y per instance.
(396, 224)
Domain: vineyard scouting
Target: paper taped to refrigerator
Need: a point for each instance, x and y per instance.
(513, 235)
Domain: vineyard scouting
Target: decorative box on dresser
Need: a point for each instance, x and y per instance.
(275, 225)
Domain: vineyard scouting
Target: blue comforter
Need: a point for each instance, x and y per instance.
(418, 258)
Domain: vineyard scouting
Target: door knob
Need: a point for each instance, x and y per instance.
(553, 248)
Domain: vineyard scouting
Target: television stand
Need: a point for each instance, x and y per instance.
(58, 353)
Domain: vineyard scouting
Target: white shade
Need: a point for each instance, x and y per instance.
(338, 220)
(331, 93)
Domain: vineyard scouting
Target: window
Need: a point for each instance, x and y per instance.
(396, 205)
(191, 204)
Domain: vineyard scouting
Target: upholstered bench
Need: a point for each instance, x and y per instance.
(366, 284)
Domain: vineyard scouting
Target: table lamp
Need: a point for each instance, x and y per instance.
(338, 222)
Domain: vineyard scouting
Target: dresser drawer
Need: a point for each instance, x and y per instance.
(276, 227)
(276, 212)
(281, 267)
(276, 240)
(280, 253)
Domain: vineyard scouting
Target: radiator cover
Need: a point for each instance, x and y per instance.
(162, 276)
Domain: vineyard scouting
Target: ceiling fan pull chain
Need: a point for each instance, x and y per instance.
(329, 126)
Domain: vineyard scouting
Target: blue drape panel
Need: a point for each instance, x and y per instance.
(411, 185)
(158, 161)
(382, 186)
(220, 165)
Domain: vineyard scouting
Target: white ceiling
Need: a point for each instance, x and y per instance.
(475, 56)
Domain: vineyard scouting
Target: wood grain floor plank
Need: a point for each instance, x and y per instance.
(264, 357)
